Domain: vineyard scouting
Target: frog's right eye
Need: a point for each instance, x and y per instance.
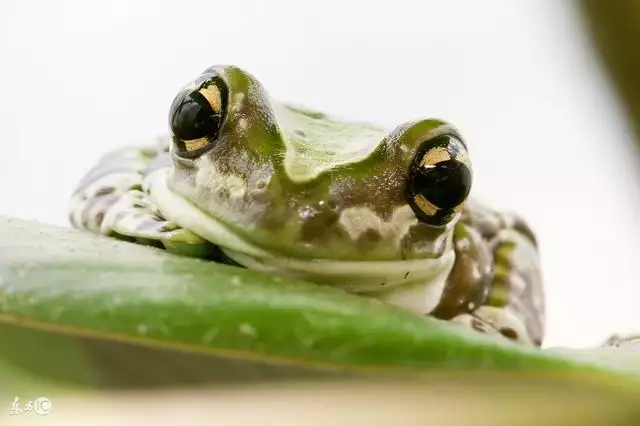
(440, 179)
(196, 116)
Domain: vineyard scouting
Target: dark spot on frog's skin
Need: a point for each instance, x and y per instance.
(406, 275)
(525, 230)
(136, 187)
(300, 132)
(99, 218)
(478, 325)
(509, 333)
(370, 236)
(332, 204)
(105, 191)
(318, 224)
(223, 194)
(100, 204)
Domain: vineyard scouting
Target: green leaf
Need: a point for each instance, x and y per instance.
(72, 302)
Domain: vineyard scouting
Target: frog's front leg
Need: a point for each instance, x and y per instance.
(495, 285)
(111, 200)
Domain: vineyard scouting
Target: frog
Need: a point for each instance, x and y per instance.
(384, 213)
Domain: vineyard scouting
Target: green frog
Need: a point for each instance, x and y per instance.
(247, 180)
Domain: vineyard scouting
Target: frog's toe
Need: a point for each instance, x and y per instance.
(135, 218)
(495, 321)
(154, 231)
(185, 242)
(618, 340)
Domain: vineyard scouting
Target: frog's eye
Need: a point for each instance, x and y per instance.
(439, 180)
(196, 115)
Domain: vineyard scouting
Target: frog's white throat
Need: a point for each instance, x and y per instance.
(415, 284)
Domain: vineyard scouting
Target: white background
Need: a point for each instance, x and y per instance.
(517, 78)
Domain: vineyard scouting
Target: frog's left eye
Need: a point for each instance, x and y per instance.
(196, 115)
(439, 180)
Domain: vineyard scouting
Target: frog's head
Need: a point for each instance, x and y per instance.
(272, 183)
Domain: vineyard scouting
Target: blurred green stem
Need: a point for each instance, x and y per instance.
(615, 30)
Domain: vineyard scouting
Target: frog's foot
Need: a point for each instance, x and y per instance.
(495, 321)
(135, 217)
(622, 340)
(130, 215)
(111, 201)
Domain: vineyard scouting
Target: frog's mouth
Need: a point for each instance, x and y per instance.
(354, 276)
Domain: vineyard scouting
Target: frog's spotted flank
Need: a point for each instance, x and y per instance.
(269, 186)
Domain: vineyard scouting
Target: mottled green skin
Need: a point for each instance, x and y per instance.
(298, 193)
(297, 211)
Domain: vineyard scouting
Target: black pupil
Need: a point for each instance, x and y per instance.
(192, 118)
(446, 185)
